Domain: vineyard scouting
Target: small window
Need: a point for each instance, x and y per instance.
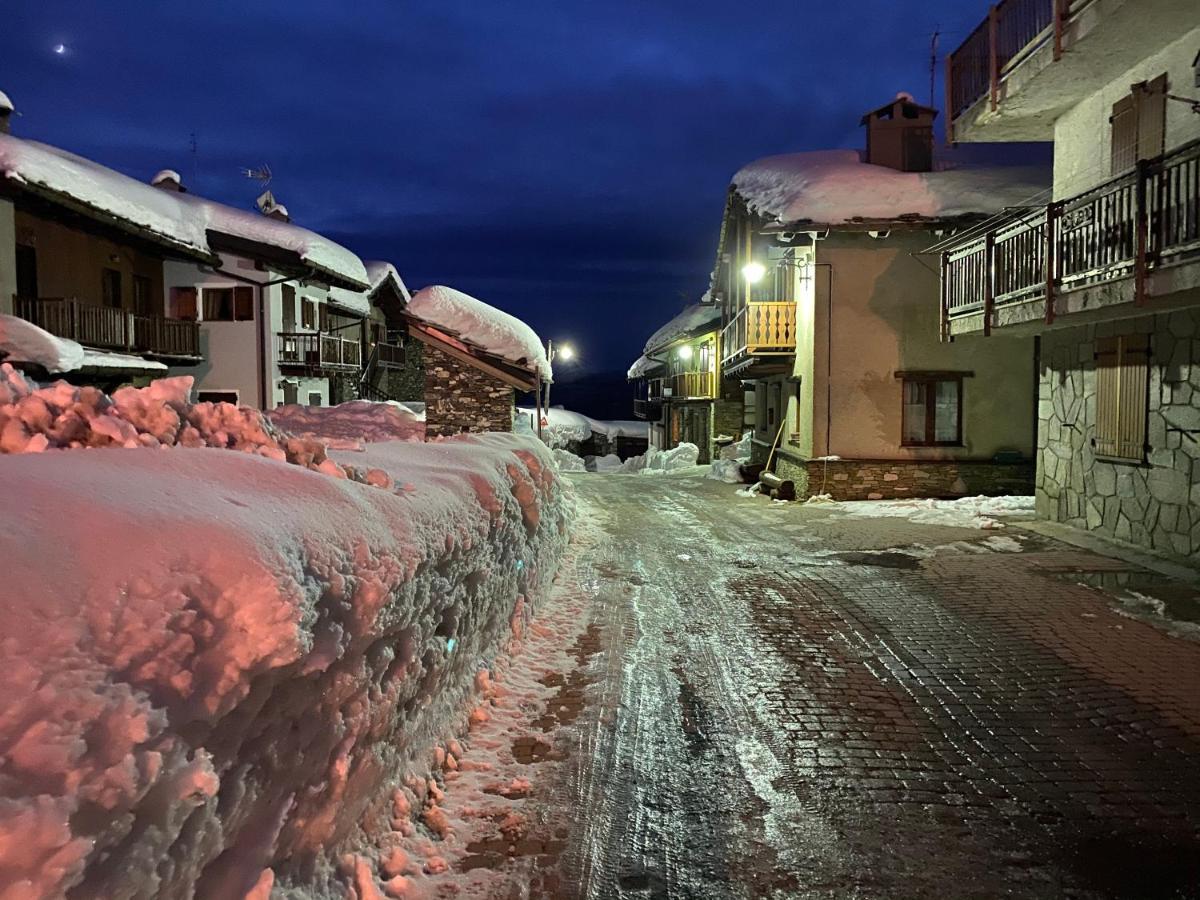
(308, 313)
(314, 398)
(228, 304)
(1122, 397)
(932, 411)
(143, 302)
(217, 397)
(183, 303)
(110, 288)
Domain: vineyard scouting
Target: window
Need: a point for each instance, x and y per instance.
(308, 313)
(1139, 124)
(228, 304)
(27, 280)
(314, 398)
(932, 410)
(183, 303)
(143, 303)
(1122, 396)
(288, 296)
(217, 397)
(110, 288)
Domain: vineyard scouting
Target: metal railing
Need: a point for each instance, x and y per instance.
(1123, 228)
(317, 351)
(109, 328)
(389, 356)
(1012, 30)
(647, 409)
(760, 329)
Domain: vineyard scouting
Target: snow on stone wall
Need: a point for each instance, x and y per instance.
(220, 668)
(347, 425)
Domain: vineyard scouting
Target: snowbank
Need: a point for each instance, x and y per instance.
(564, 427)
(831, 187)
(694, 319)
(474, 322)
(355, 421)
(966, 512)
(230, 681)
(655, 461)
(24, 342)
(567, 461)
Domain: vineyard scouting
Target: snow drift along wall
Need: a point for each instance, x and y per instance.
(218, 667)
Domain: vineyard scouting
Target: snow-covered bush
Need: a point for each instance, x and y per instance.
(219, 669)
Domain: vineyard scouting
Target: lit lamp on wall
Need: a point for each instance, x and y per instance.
(753, 272)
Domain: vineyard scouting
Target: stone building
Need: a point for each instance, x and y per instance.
(1105, 274)
(474, 360)
(826, 292)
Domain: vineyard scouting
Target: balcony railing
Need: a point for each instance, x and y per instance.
(317, 352)
(107, 328)
(760, 329)
(692, 385)
(647, 409)
(1127, 227)
(389, 356)
(1012, 29)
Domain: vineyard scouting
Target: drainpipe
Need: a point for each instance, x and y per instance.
(264, 376)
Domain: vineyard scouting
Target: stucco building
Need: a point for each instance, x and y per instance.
(829, 313)
(1104, 273)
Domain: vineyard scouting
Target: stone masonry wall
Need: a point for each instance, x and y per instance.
(729, 410)
(857, 479)
(1155, 504)
(459, 397)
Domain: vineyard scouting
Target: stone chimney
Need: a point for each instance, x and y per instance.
(900, 135)
(169, 180)
(6, 113)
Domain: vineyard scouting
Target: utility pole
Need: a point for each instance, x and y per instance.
(933, 46)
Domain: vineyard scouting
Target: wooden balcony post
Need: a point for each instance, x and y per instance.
(1141, 233)
(1052, 213)
(1060, 22)
(993, 56)
(945, 297)
(76, 319)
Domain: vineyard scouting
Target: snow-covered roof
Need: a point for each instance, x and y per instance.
(693, 320)
(320, 252)
(101, 359)
(42, 168)
(6, 105)
(475, 322)
(832, 187)
(355, 302)
(164, 175)
(642, 366)
(379, 271)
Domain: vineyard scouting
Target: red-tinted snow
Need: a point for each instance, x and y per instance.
(220, 667)
(353, 422)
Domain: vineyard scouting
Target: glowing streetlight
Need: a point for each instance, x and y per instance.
(566, 351)
(753, 272)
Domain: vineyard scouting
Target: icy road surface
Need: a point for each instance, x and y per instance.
(786, 701)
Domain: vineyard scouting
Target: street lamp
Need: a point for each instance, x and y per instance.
(566, 351)
(754, 271)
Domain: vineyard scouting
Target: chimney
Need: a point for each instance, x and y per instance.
(169, 180)
(900, 135)
(272, 208)
(6, 112)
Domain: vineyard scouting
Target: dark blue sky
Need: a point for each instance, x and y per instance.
(566, 161)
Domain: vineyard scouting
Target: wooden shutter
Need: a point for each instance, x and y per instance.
(243, 303)
(1151, 99)
(1122, 387)
(1124, 134)
(183, 303)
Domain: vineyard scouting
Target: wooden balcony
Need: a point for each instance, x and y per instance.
(389, 356)
(760, 329)
(1138, 223)
(692, 385)
(107, 328)
(317, 353)
(647, 409)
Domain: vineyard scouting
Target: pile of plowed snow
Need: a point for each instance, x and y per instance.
(222, 671)
(349, 424)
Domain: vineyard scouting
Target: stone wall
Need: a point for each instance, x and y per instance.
(858, 479)
(729, 410)
(459, 397)
(1155, 504)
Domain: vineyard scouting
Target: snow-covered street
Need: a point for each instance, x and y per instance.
(786, 700)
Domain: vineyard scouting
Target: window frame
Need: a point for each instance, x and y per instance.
(111, 288)
(241, 303)
(1128, 372)
(930, 381)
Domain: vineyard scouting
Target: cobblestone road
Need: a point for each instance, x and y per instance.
(788, 701)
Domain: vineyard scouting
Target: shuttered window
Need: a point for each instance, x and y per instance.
(228, 304)
(1122, 395)
(1139, 124)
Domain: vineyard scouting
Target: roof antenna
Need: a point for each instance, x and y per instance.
(262, 174)
(195, 165)
(933, 44)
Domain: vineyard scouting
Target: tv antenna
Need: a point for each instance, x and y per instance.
(262, 174)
